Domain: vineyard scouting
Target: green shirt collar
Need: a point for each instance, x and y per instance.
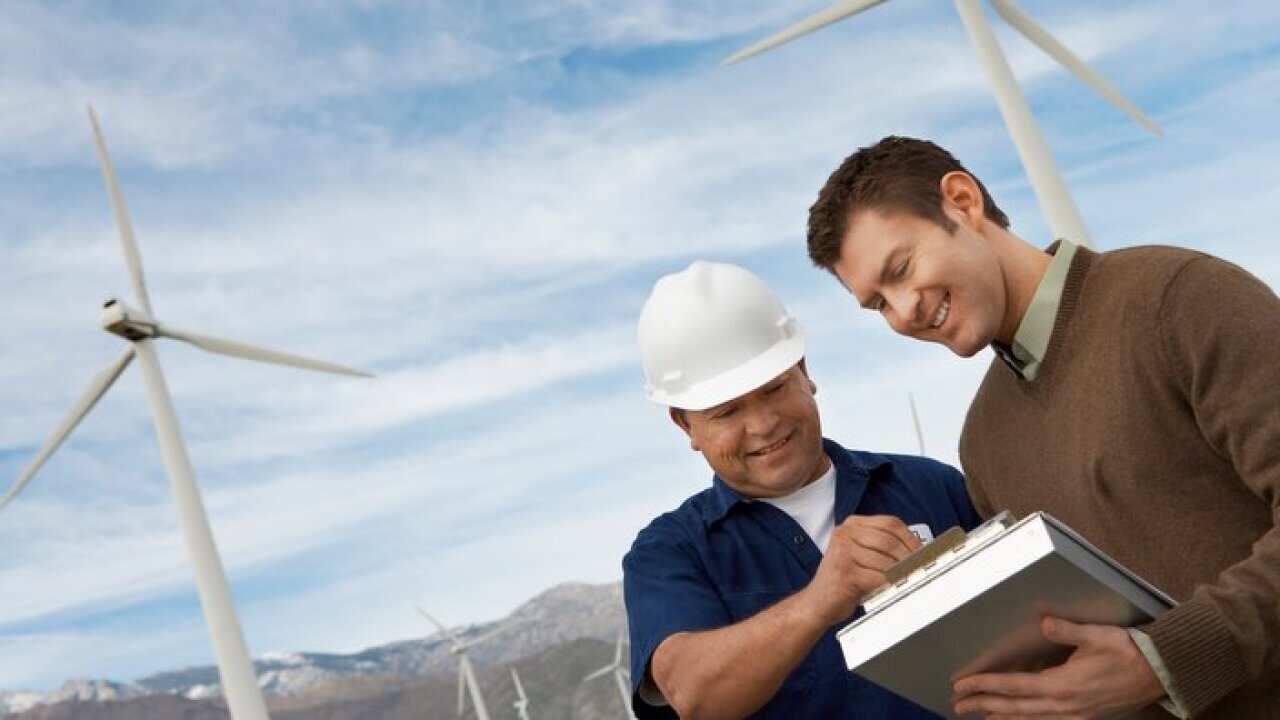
(1032, 338)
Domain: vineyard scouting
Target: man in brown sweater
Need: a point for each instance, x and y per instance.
(1134, 397)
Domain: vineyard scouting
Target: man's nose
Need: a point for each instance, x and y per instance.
(906, 312)
(761, 419)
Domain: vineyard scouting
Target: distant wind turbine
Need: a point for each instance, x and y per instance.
(139, 328)
(522, 704)
(916, 420)
(1051, 193)
(620, 676)
(466, 674)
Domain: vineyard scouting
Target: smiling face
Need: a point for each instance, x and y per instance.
(929, 283)
(767, 443)
(925, 282)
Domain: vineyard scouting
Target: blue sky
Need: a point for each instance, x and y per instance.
(472, 200)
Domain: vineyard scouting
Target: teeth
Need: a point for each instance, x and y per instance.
(941, 316)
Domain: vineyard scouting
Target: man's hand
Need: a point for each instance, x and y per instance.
(861, 549)
(1106, 676)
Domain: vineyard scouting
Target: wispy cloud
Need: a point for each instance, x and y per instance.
(473, 200)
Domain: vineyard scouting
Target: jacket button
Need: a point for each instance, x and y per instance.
(798, 539)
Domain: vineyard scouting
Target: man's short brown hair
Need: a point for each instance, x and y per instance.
(897, 174)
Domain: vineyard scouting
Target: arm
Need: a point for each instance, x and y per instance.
(1222, 328)
(733, 671)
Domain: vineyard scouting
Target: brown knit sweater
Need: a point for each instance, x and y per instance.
(1153, 428)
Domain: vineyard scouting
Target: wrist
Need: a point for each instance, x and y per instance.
(1150, 667)
(821, 608)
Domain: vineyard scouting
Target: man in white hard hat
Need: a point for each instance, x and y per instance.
(733, 599)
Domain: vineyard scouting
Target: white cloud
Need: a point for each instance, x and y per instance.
(304, 179)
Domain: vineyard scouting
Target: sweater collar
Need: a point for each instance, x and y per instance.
(1036, 331)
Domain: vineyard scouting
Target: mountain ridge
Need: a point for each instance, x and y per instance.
(554, 618)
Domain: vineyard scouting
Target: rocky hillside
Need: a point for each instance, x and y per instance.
(553, 641)
(552, 680)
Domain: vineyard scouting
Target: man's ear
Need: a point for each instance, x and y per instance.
(682, 421)
(962, 196)
(804, 370)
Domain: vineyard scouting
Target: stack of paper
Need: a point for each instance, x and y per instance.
(968, 604)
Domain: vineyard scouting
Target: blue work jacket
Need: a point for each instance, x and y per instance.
(719, 559)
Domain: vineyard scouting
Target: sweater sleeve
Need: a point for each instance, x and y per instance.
(1221, 342)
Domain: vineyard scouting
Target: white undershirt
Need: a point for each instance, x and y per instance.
(813, 507)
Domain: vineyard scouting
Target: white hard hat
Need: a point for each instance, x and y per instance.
(714, 332)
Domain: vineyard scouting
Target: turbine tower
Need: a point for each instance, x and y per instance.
(139, 328)
(466, 675)
(620, 676)
(915, 419)
(1060, 211)
(522, 704)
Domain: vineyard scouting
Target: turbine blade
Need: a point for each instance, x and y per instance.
(492, 633)
(916, 420)
(443, 630)
(1056, 50)
(132, 258)
(251, 352)
(468, 644)
(101, 383)
(837, 12)
(599, 673)
(462, 688)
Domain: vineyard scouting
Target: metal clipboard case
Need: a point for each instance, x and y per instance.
(974, 604)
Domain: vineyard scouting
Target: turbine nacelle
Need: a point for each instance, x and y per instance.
(235, 669)
(466, 676)
(129, 323)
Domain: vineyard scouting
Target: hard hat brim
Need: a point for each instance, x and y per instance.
(740, 380)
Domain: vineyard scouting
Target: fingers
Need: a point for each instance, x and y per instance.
(991, 707)
(1064, 632)
(872, 559)
(864, 546)
(1010, 684)
(1008, 694)
(881, 533)
(895, 527)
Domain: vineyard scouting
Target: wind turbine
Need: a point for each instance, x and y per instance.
(466, 675)
(916, 420)
(521, 705)
(620, 676)
(139, 328)
(1051, 192)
